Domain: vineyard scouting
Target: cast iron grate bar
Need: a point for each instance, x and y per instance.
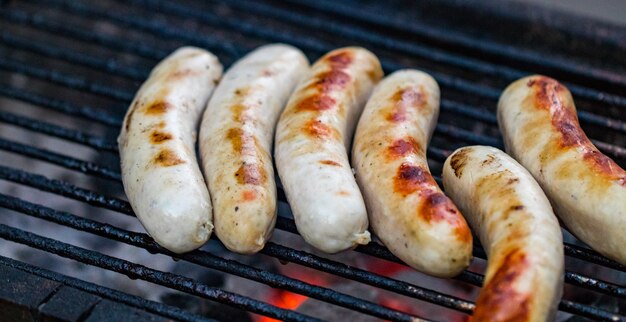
(70, 81)
(265, 33)
(583, 115)
(202, 258)
(82, 111)
(451, 38)
(222, 47)
(274, 250)
(57, 52)
(43, 23)
(376, 39)
(303, 42)
(137, 271)
(58, 131)
(86, 167)
(110, 66)
(105, 292)
(448, 130)
(92, 198)
(98, 200)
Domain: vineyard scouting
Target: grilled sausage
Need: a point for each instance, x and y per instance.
(236, 136)
(537, 118)
(407, 210)
(312, 137)
(514, 221)
(159, 170)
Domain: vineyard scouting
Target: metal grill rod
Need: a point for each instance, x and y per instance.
(40, 182)
(105, 292)
(221, 46)
(89, 168)
(145, 273)
(41, 22)
(282, 36)
(68, 190)
(202, 258)
(385, 41)
(82, 111)
(274, 250)
(584, 116)
(263, 33)
(58, 131)
(56, 52)
(450, 38)
(98, 200)
(441, 128)
(70, 81)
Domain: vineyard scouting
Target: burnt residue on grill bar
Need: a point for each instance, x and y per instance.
(95, 88)
(273, 250)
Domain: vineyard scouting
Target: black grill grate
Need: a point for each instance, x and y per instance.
(467, 118)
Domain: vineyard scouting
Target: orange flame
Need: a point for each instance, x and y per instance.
(285, 300)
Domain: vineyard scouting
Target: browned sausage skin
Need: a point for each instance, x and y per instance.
(312, 138)
(537, 117)
(407, 209)
(512, 216)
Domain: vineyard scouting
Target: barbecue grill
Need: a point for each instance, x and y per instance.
(70, 69)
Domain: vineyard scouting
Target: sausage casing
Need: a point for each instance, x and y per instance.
(538, 120)
(514, 221)
(407, 209)
(236, 137)
(159, 169)
(312, 138)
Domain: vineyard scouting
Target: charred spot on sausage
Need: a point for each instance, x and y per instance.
(167, 158)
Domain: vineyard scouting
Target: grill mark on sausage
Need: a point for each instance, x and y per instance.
(405, 99)
(334, 79)
(436, 207)
(251, 173)
(489, 160)
(248, 195)
(548, 96)
(129, 117)
(374, 74)
(158, 108)
(167, 158)
(158, 137)
(325, 82)
(316, 102)
(317, 129)
(180, 74)
(410, 177)
(244, 144)
(498, 300)
(330, 162)
(237, 138)
(340, 59)
(458, 161)
(240, 112)
(403, 147)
